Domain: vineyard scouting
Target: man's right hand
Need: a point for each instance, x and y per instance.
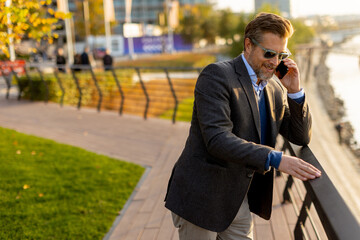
(298, 168)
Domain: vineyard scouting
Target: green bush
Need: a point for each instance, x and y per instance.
(36, 88)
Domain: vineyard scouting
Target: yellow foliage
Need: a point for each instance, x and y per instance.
(51, 11)
(28, 18)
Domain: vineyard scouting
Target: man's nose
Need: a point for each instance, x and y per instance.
(275, 60)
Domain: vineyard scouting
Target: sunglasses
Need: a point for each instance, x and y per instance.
(268, 53)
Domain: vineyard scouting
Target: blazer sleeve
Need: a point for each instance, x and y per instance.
(297, 122)
(213, 112)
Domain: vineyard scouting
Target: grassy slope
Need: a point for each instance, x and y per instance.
(55, 191)
(184, 59)
(184, 111)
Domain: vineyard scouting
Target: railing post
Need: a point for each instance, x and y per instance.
(145, 92)
(286, 194)
(61, 87)
(300, 231)
(120, 90)
(77, 85)
(7, 82)
(173, 93)
(45, 84)
(18, 82)
(97, 88)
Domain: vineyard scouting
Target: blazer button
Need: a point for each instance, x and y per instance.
(250, 175)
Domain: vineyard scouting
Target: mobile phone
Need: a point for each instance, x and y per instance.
(281, 70)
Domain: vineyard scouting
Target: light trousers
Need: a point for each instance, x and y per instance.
(240, 229)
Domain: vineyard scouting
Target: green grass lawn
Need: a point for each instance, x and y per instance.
(182, 59)
(55, 191)
(184, 111)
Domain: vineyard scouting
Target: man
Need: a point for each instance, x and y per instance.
(226, 168)
(85, 57)
(107, 60)
(60, 60)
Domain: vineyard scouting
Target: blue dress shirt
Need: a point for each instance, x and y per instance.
(274, 157)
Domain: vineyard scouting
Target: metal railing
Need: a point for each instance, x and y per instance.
(173, 90)
(335, 217)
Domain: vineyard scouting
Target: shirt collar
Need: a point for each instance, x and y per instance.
(253, 76)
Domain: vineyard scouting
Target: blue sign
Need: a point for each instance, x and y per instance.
(156, 44)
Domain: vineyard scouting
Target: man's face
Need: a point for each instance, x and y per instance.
(254, 54)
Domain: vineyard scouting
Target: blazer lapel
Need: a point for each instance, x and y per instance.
(245, 81)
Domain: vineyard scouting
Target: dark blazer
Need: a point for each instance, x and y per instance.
(222, 160)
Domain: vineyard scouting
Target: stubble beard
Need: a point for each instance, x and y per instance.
(260, 73)
(263, 76)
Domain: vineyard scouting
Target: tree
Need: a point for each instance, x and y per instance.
(198, 22)
(189, 26)
(96, 18)
(28, 18)
(237, 45)
(227, 24)
(302, 34)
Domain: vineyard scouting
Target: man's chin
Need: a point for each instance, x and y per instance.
(266, 77)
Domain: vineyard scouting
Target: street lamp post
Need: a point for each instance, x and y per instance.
(109, 15)
(64, 7)
(86, 20)
(170, 44)
(128, 4)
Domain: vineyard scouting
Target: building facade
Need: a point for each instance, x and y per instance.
(144, 11)
(283, 5)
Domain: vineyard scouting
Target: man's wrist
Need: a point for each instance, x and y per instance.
(296, 95)
(273, 159)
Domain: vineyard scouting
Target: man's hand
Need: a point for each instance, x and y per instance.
(298, 168)
(291, 80)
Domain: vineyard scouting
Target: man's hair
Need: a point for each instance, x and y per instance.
(268, 23)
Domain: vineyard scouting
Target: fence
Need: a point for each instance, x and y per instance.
(331, 218)
(150, 92)
(146, 91)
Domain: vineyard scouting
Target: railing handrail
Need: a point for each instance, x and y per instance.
(337, 219)
(88, 67)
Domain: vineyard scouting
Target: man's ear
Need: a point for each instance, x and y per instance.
(248, 45)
